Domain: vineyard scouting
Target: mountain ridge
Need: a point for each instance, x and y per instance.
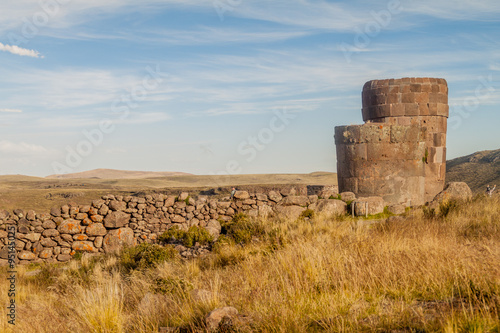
(117, 174)
(478, 169)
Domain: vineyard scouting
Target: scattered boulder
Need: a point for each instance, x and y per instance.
(347, 196)
(215, 317)
(214, 228)
(454, 191)
(397, 209)
(289, 212)
(375, 206)
(329, 207)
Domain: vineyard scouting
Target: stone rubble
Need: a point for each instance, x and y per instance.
(109, 223)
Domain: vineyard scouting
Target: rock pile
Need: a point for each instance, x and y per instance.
(111, 222)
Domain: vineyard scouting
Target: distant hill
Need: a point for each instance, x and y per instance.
(116, 174)
(477, 170)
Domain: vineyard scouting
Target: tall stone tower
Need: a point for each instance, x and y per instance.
(400, 151)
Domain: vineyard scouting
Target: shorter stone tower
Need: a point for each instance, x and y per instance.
(400, 151)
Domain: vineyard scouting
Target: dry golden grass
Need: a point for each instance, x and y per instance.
(419, 275)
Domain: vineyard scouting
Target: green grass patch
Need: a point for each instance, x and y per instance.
(145, 255)
(187, 238)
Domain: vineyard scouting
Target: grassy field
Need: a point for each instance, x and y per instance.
(426, 273)
(41, 194)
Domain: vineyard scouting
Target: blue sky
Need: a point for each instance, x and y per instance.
(228, 86)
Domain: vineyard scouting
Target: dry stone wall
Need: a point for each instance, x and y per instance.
(109, 223)
(400, 151)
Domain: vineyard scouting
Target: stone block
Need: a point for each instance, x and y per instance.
(68, 227)
(411, 109)
(427, 88)
(355, 152)
(295, 200)
(96, 229)
(348, 184)
(423, 109)
(347, 134)
(241, 195)
(374, 133)
(46, 253)
(437, 155)
(26, 255)
(63, 257)
(379, 99)
(439, 139)
(329, 207)
(455, 190)
(365, 186)
(405, 89)
(117, 238)
(83, 246)
(375, 205)
(415, 88)
(403, 121)
(422, 98)
(116, 219)
(443, 110)
(433, 109)
(442, 98)
(289, 212)
(115, 205)
(408, 98)
(397, 209)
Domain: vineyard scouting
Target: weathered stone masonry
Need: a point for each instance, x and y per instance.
(108, 223)
(400, 151)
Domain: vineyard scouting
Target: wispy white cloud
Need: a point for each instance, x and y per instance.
(200, 36)
(11, 110)
(93, 120)
(20, 51)
(21, 148)
(466, 10)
